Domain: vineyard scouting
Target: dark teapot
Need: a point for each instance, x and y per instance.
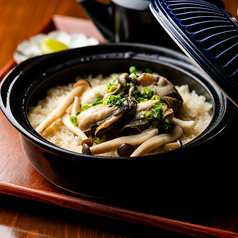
(129, 21)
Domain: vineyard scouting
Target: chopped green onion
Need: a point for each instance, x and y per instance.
(158, 114)
(98, 100)
(86, 106)
(142, 99)
(166, 124)
(77, 113)
(97, 140)
(157, 105)
(148, 93)
(158, 111)
(73, 120)
(132, 70)
(105, 101)
(143, 96)
(155, 97)
(133, 76)
(137, 94)
(116, 100)
(110, 87)
(149, 115)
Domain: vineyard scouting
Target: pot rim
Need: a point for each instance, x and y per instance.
(132, 51)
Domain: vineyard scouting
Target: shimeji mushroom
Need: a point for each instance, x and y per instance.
(125, 150)
(157, 141)
(184, 124)
(75, 106)
(85, 140)
(79, 88)
(167, 147)
(115, 143)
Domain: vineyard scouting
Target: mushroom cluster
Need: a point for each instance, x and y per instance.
(134, 112)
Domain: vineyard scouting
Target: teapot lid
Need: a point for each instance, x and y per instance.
(207, 34)
(140, 5)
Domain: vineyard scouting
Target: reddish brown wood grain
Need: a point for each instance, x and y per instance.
(107, 210)
(18, 178)
(30, 209)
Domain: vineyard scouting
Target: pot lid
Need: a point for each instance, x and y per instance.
(207, 34)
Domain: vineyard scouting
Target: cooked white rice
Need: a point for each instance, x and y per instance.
(194, 108)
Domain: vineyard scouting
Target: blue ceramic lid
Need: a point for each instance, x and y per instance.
(207, 34)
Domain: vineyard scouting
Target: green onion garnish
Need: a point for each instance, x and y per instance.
(98, 100)
(73, 120)
(155, 97)
(132, 70)
(149, 115)
(112, 86)
(148, 93)
(166, 124)
(116, 100)
(145, 95)
(157, 113)
(97, 140)
(133, 76)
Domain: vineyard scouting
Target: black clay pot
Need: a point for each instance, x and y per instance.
(199, 162)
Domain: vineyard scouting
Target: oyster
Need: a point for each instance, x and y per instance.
(101, 118)
(115, 86)
(162, 87)
(145, 102)
(90, 95)
(143, 119)
(125, 81)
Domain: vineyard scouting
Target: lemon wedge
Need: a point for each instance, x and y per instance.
(49, 45)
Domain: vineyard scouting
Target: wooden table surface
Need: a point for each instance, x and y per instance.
(25, 218)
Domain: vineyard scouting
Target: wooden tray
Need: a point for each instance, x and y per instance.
(175, 211)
